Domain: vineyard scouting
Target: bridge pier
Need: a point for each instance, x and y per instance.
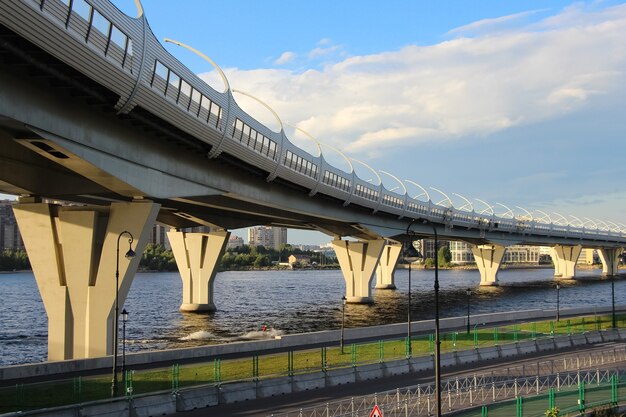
(488, 259)
(387, 266)
(197, 255)
(72, 251)
(358, 261)
(610, 260)
(564, 258)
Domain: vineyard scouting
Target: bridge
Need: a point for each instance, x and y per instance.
(95, 111)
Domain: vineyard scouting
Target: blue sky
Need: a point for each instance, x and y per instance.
(520, 103)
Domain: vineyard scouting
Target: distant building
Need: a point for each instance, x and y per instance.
(462, 253)
(301, 259)
(234, 242)
(159, 236)
(10, 237)
(427, 247)
(267, 236)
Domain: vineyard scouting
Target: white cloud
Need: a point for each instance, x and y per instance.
(285, 58)
(466, 87)
(494, 23)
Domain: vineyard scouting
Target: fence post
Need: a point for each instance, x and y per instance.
(431, 343)
(475, 338)
(128, 386)
(484, 411)
(255, 367)
(614, 390)
(381, 351)
(569, 327)
(324, 364)
(354, 354)
(217, 370)
(550, 398)
(290, 363)
(78, 387)
(518, 407)
(581, 398)
(495, 336)
(175, 377)
(534, 331)
(582, 325)
(454, 334)
(551, 328)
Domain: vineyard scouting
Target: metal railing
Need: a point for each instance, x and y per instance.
(485, 392)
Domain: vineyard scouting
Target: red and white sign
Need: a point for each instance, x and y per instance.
(376, 412)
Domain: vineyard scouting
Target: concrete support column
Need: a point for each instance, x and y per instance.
(564, 259)
(387, 265)
(197, 255)
(358, 261)
(72, 251)
(610, 260)
(488, 259)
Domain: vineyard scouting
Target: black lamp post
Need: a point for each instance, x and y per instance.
(343, 318)
(129, 255)
(558, 302)
(410, 254)
(124, 320)
(437, 339)
(469, 293)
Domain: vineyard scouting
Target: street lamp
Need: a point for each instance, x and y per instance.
(469, 293)
(124, 320)
(410, 254)
(437, 339)
(558, 302)
(129, 255)
(343, 319)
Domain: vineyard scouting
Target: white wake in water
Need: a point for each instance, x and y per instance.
(270, 333)
(199, 335)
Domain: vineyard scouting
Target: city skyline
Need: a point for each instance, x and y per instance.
(508, 103)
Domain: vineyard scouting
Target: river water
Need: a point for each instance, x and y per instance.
(288, 302)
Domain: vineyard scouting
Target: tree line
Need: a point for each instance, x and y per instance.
(157, 258)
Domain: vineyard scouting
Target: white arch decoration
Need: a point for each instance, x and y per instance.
(308, 135)
(371, 169)
(588, 220)
(507, 212)
(545, 217)
(562, 220)
(424, 192)
(606, 226)
(464, 207)
(528, 213)
(264, 104)
(397, 180)
(580, 222)
(450, 204)
(207, 59)
(139, 7)
(489, 210)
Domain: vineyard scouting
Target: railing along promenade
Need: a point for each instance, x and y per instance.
(222, 373)
(121, 54)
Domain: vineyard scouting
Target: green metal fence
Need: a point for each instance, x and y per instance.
(23, 397)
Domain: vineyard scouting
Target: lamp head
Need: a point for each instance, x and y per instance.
(344, 299)
(468, 292)
(124, 315)
(130, 254)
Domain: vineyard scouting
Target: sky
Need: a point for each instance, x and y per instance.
(517, 103)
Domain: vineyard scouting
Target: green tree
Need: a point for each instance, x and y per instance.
(429, 262)
(444, 256)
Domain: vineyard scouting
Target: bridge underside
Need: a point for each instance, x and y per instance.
(61, 139)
